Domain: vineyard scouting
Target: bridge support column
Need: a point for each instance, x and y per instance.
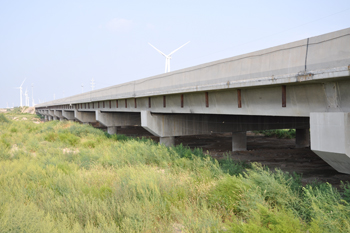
(54, 118)
(330, 138)
(239, 141)
(112, 129)
(167, 141)
(46, 118)
(302, 138)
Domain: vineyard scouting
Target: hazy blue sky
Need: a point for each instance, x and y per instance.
(58, 45)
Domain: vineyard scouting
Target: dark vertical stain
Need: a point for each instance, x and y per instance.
(116, 103)
(182, 100)
(284, 96)
(149, 102)
(307, 50)
(164, 101)
(110, 104)
(207, 99)
(103, 104)
(126, 103)
(239, 98)
(135, 103)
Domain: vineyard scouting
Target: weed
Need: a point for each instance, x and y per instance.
(66, 177)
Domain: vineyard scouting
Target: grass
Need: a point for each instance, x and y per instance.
(278, 133)
(66, 177)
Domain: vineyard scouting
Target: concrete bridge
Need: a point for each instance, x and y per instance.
(304, 85)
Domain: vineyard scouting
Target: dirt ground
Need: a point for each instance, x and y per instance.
(272, 152)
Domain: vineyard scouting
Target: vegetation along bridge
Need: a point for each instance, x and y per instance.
(304, 85)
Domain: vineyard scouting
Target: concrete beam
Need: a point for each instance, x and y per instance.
(118, 118)
(330, 138)
(58, 114)
(166, 125)
(85, 117)
(69, 115)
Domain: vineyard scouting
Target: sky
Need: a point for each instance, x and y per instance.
(58, 46)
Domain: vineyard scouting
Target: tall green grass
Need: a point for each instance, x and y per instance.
(66, 177)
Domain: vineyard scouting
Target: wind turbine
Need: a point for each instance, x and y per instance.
(92, 84)
(26, 97)
(20, 92)
(32, 96)
(168, 57)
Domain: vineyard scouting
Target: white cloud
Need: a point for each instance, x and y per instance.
(119, 25)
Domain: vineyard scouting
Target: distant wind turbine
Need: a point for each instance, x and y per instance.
(20, 92)
(92, 84)
(32, 96)
(26, 97)
(168, 57)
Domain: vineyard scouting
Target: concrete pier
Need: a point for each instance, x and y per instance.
(239, 141)
(302, 138)
(112, 130)
(168, 141)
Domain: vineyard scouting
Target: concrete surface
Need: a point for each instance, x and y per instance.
(330, 138)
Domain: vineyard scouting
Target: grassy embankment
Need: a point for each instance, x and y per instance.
(66, 177)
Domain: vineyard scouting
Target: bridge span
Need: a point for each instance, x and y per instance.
(303, 85)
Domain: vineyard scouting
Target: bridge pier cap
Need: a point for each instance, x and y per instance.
(330, 138)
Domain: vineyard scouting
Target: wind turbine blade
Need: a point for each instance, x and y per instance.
(178, 48)
(23, 82)
(157, 50)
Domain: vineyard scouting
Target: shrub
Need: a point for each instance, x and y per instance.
(69, 138)
(233, 167)
(226, 193)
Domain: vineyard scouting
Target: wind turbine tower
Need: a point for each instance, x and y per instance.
(20, 92)
(168, 57)
(33, 96)
(26, 97)
(92, 84)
